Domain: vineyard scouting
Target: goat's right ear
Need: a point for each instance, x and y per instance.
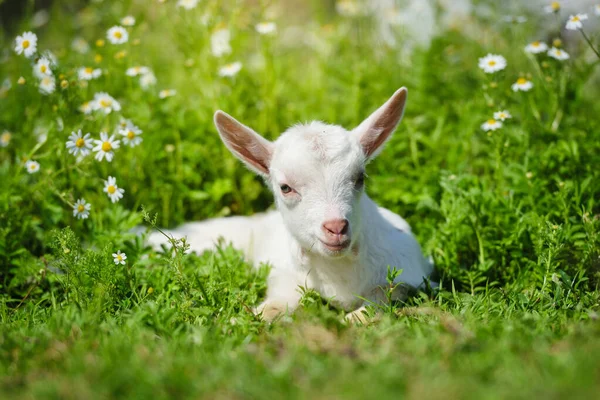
(247, 145)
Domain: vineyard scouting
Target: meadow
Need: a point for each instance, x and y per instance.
(495, 166)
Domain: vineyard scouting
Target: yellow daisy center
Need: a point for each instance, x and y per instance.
(105, 102)
(575, 19)
(5, 137)
(119, 257)
(81, 208)
(130, 135)
(555, 5)
(43, 68)
(502, 115)
(80, 142)
(111, 189)
(118, 34)
(491, 63)
(521, 81)
(535, 44)
(89, 70)
(25, 44)
(32, 167)
(106, 146)
(491, 122)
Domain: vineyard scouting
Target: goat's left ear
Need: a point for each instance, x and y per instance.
(374, 131)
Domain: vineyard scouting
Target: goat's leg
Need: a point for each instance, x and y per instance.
(283, 295)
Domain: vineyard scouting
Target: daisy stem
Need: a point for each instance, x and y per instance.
(589, 42)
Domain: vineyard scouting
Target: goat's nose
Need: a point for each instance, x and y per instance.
(336, 227)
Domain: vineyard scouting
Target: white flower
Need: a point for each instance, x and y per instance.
(86, 108)
(502, 115)
(47, 85)
(131, 135)
(187, 4)
(147, 80)
(105, 147)
(117, 35)
(88, 73)
(219, 42)
(536, 47)
(137, 70)
(32, 166)
(491, 125)
(128, 21)
(26, 44)
(266, 28)
(80, 45)
(597, 9)
(347, 8)
(119, 258)
(42, 68)
(522, 84)
(492, 63)
(558, 54)
(230, 69)
(553, 7)
(112, 190)
(105, 102)
(79, 144)
(81, 209)
(5, 138)
(163, 94)
(574, 23)
(125, 123)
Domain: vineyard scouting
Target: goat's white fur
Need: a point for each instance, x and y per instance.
(320, 162)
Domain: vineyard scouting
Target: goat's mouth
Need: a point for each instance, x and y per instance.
(336, 247)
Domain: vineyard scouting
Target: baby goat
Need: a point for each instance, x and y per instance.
(326, 234)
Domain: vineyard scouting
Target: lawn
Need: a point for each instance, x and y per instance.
(495, 166)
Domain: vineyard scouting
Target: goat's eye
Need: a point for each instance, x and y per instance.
(360, 180)
(285, 189)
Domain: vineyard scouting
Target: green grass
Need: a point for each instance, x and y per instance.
(511, 218)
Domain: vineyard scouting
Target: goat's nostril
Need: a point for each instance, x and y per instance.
(336, 227)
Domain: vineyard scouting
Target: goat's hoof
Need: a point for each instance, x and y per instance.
(270, 311)
(357, 317)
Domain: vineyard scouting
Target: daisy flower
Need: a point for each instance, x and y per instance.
(502, 115)
(522, 84)
(32, 166)
(536, 47)
(105, 147)
(112, 190)
(79, 144)
(553, 7)
(131, 135)
(137, 70)
(491, 125)
(80, 45)
(230, 69)
(187, 4)
(492, 63)
(163, 94)
(5, 138)
(47, 85)
(147, 80)
(42, 68)
(575, 22)
(88, 73)
(266, 28)
(558, 54)
(219, 42)
(128, 21)
(86, 108)
(105, 102)
(81, 209)
(26, 44)
(117, 35)
(119, 258)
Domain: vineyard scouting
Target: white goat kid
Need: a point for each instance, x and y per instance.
(326, 234)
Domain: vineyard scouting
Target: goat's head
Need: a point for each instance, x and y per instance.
(316, 172)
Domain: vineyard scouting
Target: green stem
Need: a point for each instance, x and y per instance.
(589, 42)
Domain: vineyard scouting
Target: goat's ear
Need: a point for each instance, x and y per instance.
(374, 131)
(247, 145)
